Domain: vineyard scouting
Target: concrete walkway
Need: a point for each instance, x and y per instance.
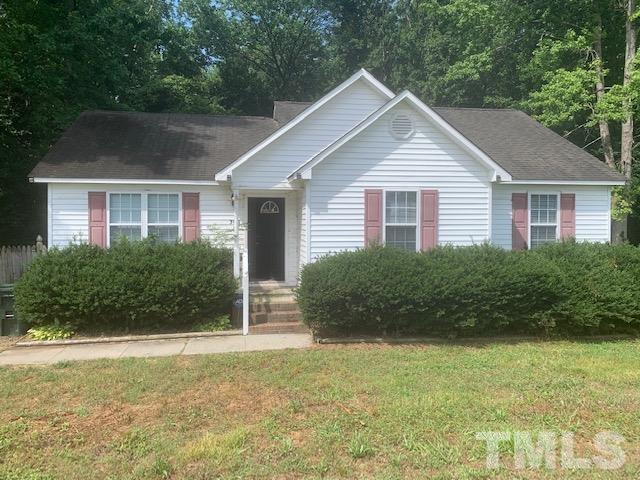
(44, 355)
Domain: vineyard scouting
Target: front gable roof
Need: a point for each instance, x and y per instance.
(304, 171)
(361, 75)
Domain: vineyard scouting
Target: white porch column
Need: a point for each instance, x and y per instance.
(245, 288)
(241, 258)
(235, 197)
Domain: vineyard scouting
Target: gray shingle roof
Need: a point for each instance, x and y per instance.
(131, 145)
(525, 148)
(283, 111)
(169, 146)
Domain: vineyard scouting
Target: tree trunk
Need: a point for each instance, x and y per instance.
(605, 133)
(626, 147)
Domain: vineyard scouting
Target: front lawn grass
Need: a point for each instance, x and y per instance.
(333, 412)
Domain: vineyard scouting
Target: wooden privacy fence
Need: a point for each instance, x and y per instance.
(14, 260)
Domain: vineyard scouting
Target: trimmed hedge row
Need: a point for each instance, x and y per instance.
(131, 284)
(568, 288)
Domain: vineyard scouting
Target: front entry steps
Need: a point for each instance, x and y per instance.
(274, 310)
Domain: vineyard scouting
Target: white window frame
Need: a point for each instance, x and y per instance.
(418, 214)
(142, 208)
(177, 224)
(529, 209)
(144, 225)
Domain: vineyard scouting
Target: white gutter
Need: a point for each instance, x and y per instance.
(121, 181)
(564, 182)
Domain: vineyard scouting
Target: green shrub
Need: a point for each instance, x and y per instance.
(131, 284)
(602, 285)
(219, 323)
(567, 288)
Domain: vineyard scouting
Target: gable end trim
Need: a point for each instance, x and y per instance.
(304, 171)
(361, 74)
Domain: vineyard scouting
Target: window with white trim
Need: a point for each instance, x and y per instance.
(136, 216)
(401, 222)
(543, 219)
(125, 216)
(163, 211)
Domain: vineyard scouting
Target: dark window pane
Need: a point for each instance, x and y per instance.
(167, 234)
(401, 237)
(132, 233)
(541, 235)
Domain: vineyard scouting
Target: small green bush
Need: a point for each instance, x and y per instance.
(51, 332)
(221, 322)
(131, 285)
(568, 288)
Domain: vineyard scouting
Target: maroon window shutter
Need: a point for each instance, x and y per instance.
(98, 218)
(520, 221)
(190, 216)
(567, 215)
(372, 217)
(428, 219)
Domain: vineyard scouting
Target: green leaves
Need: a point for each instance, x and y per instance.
(567, 288)
(565, 95)
(132, 284)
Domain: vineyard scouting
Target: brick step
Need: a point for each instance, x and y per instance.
(275, 317)
(281, 327)
(266, 290)
(268, 298)
(268, 307)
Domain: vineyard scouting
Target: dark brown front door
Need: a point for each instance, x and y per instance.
(266, 238)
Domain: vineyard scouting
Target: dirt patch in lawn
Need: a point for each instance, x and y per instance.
(7, 342)
(211, 403)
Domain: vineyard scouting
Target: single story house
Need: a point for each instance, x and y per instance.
(360, 165)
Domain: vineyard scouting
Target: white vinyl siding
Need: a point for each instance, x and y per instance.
(428, 159)
(69, 210)
(68, 214)
(270, 167)
(592, 210)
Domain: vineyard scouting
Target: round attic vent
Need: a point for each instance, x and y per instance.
(401, 126)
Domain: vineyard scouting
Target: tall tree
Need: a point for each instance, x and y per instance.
(596, 81)
(360, 34)
(600, 90)
(275, 47)
(626, 140)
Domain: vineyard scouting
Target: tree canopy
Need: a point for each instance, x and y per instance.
(570, 63)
